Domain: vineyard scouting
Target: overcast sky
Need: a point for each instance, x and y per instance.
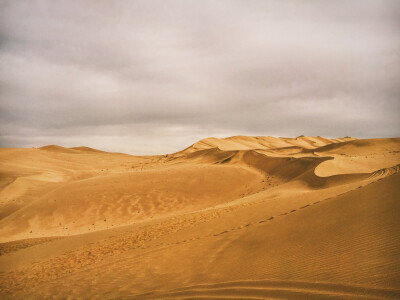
(153, 77)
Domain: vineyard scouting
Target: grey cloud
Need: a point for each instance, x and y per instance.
(154, 76)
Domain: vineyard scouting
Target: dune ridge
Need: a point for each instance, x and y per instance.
(260, 142)
(252, 217)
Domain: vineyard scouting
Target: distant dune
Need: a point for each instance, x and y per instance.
(239, 217)
(262, 142)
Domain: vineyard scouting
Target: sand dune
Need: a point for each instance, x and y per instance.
(240, 217)
(269, 142)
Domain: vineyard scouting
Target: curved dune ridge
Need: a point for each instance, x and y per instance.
(240, 217)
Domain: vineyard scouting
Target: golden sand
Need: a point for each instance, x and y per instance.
(241, 217)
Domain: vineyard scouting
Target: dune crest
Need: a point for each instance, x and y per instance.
(261, 142)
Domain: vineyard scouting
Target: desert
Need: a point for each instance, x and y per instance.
(238, 217)
(213, 149)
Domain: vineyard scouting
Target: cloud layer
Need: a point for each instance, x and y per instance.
(150, 77)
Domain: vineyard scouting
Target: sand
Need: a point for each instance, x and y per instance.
(241, 217)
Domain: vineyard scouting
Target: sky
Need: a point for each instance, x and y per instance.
(153, 77)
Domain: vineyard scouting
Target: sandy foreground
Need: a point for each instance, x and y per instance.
(241, 217)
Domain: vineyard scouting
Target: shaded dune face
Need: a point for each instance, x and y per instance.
(241, 217)
(283, 169)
